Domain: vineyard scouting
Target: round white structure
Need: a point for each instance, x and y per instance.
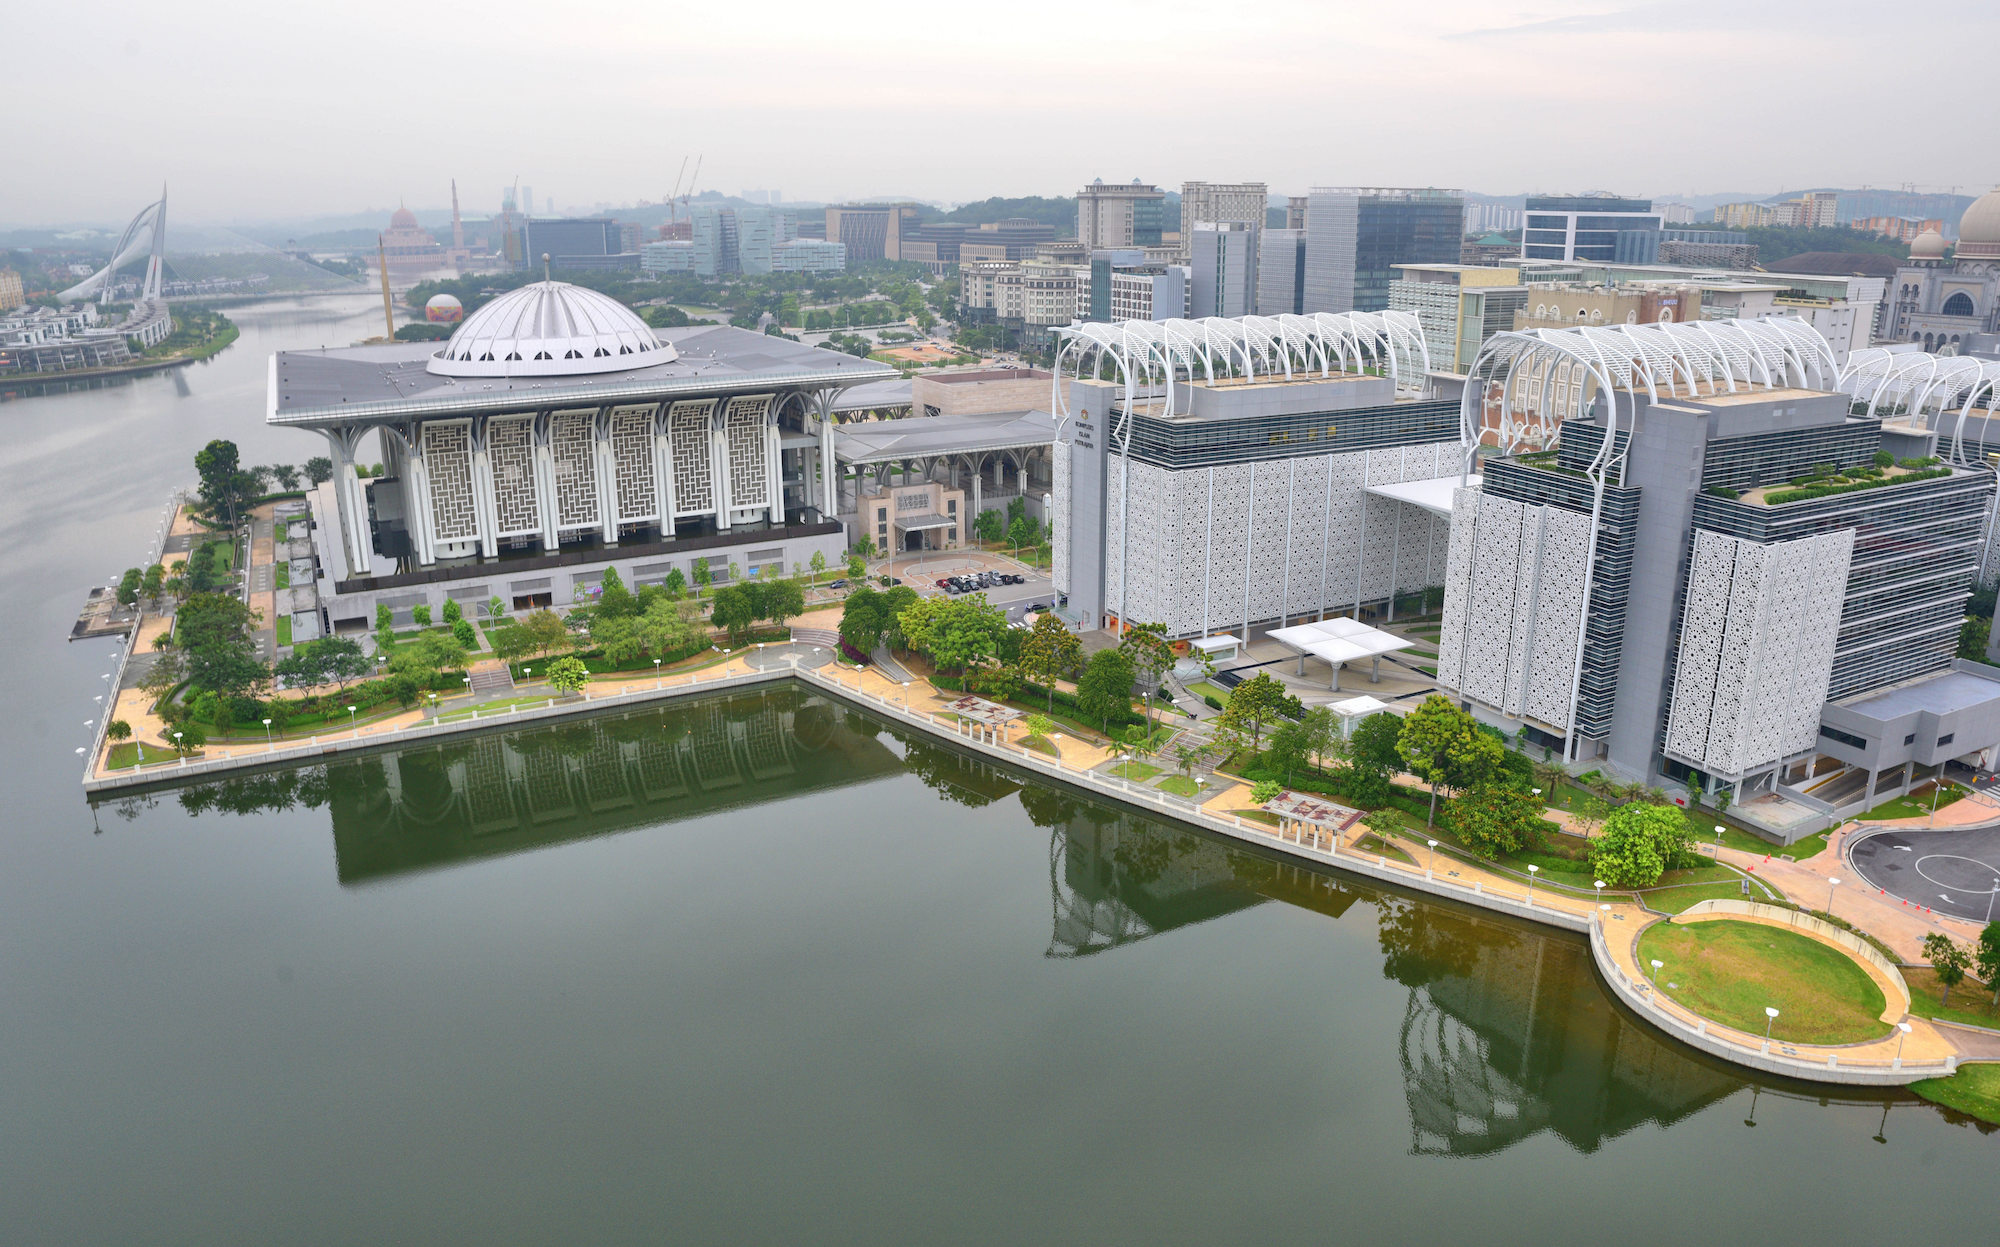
(1929, 245)
(550, 329)
(443, 309)
(1979, 228)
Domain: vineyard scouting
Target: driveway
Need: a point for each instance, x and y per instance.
(1953, 871)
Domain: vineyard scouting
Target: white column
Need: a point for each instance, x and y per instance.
(774, 460)
(485, 502)
(545, 482)
(607, 477)
(718, 457)
(418, 498)
(829, 464)
(663, 471)
(350, 499)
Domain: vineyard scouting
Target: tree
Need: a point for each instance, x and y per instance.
(702, 577)
(1289, 748)
(328, 660)
(118, 729)
(385, 619)
(817, 563)
(1105, 691)
(1265, 791)
(568, 675)
(1049, 651)
(319, 469)
(547, 630)
(1152, 655)
(212, 630)
(861, 620)
(128, 586)
(1494, 819)
(1948, 961)
(189, 737)
(783, 600)
(286, 475)
(1021, 532)
(956, 633)
(1640, 842)
(613, 598)
(734, 610)
(1986, 955)
(465, 634)
(453, 612)
(618, 636)
(669, 626)
(1443, 746)
(153, 582)
(1588, 811)
(989, 526)
(494, 609)
(510, 642)
(1186, 754)
(428, 657)
(1039, 726)
(168, 670)
(1256, 702)
(226, 488)
(857, 567)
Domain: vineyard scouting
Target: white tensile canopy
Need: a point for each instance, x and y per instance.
(1338, 641)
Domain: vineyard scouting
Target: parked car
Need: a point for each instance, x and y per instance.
(837, 584)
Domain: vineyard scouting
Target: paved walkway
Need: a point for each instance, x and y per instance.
(1896, 923)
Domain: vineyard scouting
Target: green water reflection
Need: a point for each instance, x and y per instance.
(1505, 1032)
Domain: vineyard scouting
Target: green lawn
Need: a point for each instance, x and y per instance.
(1971, 1002)
(1382, 848)
(1729, 971)
(284, 627)
(126, 753)
(283, 576)
(1178, 785)
(1674, 900)
(1974, 1090)
(495, 706)
(1137, 772)
(1912, 804)
(1202, 688)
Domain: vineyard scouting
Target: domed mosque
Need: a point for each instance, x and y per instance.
(556, 436)
(1952, 305)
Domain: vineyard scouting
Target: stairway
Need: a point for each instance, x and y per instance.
(824, 637)
(491, 677)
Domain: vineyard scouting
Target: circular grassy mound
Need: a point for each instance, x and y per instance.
(1728, 971)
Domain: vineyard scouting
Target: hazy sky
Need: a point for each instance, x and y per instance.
(261, 110)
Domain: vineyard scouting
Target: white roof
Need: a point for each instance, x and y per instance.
(1358, 707)
(1216, 644)
(1433, 496)
(1339, 640)
(550, 328)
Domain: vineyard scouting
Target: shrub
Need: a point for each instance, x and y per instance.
(1639, 843)
(1265, 790)
(463, 632)
(453, 612)
(1212, 703)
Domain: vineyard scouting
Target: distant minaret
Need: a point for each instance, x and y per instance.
(388, 312)
(457, 230)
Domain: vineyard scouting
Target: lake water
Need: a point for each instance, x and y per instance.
(761, 969)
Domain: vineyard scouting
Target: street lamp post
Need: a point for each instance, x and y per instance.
(1831, 884)
(267, 732)
(350, 718)
(1434, 855)
(1901, 1039)
(1991, 893)
(1770, 1016)
(1599, 885)
(1532, 872)
(1656, 963)
(1718, 837)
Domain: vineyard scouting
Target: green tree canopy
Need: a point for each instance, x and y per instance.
(1105, 691)
(428, 658)
(213, 631)
(1493, 819)
(1257, 701)
(1145, 644)
(1639, 843)
(734, 610)
(1049, 651)
(613, 598)
(568, 675)
(328, 660)
(1444, 747)
(861, 620)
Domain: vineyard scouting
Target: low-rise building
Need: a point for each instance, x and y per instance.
(1460, 306)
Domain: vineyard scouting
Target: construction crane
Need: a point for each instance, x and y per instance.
(673, 200)
(689, 193)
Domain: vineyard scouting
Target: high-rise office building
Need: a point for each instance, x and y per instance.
(1460, 307)
(1223, 268)
(1356, 236)
(1281, 271)
(871, 231)
(1221, 203)
(716, 242)
(1600, 228)
(1128, 214)
(1661, 593)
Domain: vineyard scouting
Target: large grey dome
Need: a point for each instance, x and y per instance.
(550, 329)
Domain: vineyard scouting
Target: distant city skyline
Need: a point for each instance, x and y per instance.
(1775, 94)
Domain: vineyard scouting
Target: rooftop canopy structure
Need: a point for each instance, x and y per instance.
(1149, 356)
(1951, 395)
(147, 236)
(1337, 641)
(1523, 384)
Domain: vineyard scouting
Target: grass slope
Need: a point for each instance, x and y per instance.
(1729, 971)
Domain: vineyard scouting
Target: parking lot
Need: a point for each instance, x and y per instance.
(922, 572)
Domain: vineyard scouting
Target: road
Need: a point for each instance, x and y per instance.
(1955, 871)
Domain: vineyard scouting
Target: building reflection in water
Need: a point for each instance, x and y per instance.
(1506, 1032)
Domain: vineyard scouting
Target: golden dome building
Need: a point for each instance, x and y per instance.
(1950, 304)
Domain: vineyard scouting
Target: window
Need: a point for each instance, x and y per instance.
(1946, 739)
(1845, 738)
(1911, 739)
